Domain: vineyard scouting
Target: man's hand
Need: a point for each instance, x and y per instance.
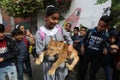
(114, 46)
(1, 59)
(76, 41)
(105, 51)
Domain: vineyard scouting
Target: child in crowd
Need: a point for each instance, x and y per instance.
(27, 61)
(22, 28)
(68, 28)
(92, 48)
(76, 38)
(8, 54)
(23, 53)
(83, 31)
(106, 59)
(31, 39)
(114, 49)
(51, 29)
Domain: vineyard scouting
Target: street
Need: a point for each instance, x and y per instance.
(37, 73)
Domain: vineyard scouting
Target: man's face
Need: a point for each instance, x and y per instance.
(112, 39)
(76, 31)
(22, 28)
(2, 35)
(18, 37)
(28, 33)
(82, 31)
(101, 26)
(67, 27)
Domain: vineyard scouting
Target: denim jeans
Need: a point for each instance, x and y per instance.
(108, 72)
(20, 68)
(106, 65)
(95, 63)
(8, 73)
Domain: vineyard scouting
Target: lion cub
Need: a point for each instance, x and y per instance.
(58, 48)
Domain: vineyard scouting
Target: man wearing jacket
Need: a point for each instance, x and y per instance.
(92, 48)
(8, 53)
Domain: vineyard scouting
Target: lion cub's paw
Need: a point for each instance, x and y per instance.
(38, 61)
(69, 67)
(51, 72)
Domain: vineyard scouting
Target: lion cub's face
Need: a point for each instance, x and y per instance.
(54, 47)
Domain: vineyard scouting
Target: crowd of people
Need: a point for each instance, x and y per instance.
(98, 46)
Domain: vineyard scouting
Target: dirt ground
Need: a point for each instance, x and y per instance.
(99, 75)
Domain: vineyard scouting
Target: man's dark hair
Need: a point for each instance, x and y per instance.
(69, 24)
(84, 28)
(76, 28)
(16, 32)
(106, 19)
(2, 28)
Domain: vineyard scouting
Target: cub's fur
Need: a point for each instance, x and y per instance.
(59, 48)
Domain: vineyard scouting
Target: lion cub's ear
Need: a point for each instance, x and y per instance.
(60, 44)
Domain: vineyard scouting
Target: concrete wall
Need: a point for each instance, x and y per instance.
(89, 15)
(0, 17)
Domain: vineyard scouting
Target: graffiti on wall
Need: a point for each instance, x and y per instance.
(29, 23)
(106, 11)
(73, 18)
